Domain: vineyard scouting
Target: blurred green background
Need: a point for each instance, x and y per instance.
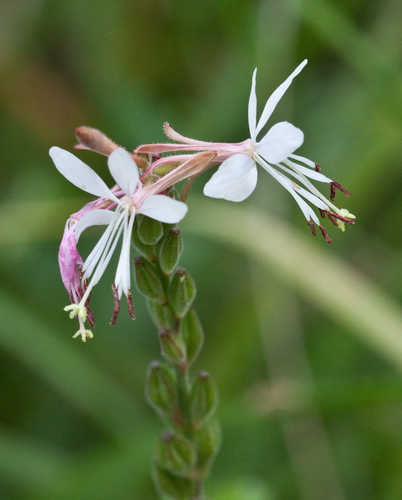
(304, 339)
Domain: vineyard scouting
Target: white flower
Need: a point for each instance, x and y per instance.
(236, 178)
(131, 199)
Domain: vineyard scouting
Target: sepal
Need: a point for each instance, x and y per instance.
(149, 231)
(162, 315)
(209, 441)
(175, 453)
(170, 250)
(147, 280)
(172, 346)
(160, 389)
(182, 292)
(192, 334)
(176, 487)
(204, 399)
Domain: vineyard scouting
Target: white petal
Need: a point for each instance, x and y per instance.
(279, 142)
(252, 107)
(124, 170)
(79, 174)
(317, 176)
(234, 180)
(163, 208)
(276, 96)
(94, 218)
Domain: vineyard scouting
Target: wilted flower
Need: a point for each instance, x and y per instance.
(121, 207)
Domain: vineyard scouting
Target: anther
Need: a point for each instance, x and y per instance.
(335, 215)
(335, 186)
(332, 218)
(325, 234)
(130, 305)
(90, 315)
(317, 167)
(312, 227)
(116, 309)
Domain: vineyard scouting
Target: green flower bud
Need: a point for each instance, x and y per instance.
(148, 282)
(204, 399)
(209, 440)
(192, 334)
(170, 250)
(162, 315)
(147, 251)
(172, 345)
(149, 231)
(176, 487)
(182, 292)
(175, 453)
(160, 388)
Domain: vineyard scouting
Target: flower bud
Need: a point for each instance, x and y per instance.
(160, 388)
(147, 251)
(192, 334)
(149, 231)
(172, 345)
(171, 485)
(182, 292)
(204, 399)
(175, 453)
(162, 315)
(148, 282)
(170, 250)
(209, 440)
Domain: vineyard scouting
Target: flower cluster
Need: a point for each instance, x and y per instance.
(145, 177)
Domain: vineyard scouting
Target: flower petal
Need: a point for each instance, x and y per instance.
(124, 170)
(163, 208)
(79, 174)
(94, 218)
(252, 107)
(276, 96)
(234, 180)
(279, 142)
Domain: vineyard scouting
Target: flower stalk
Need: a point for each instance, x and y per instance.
(185, 402)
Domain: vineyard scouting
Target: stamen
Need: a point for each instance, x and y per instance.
(322, 212)
(335, 186)
(317, 167)
(90, 315)
(332, 218)
(116, 309)
(312, 227)
(325, 234)
(130, 305)
(340, 217)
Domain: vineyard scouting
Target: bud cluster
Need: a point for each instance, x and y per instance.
(185, 403)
